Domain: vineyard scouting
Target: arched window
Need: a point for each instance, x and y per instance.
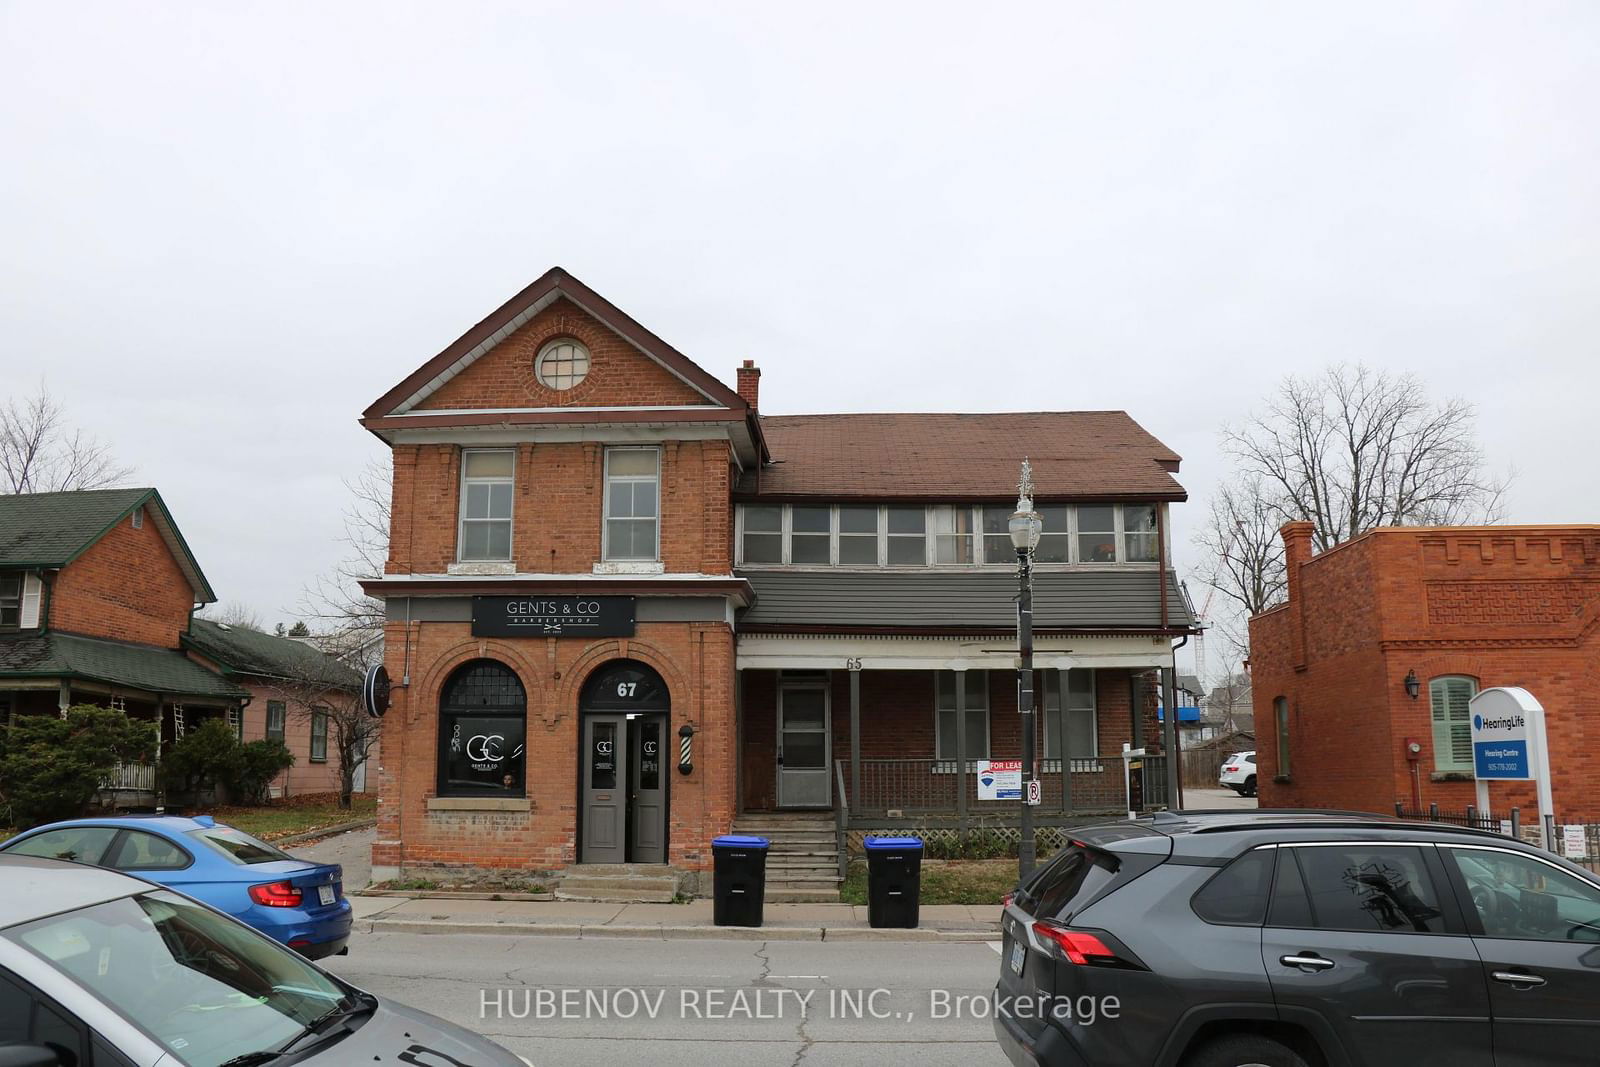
(625, 685)
(1452, 723)
(483, 716)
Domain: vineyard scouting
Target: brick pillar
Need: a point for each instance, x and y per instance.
(750, 382)
(1296, 552)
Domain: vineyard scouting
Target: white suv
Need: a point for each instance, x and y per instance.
(1239, 773)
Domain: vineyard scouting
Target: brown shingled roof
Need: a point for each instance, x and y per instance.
(1076, 455)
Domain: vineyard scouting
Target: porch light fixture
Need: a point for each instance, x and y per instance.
(1025, 527)
(1413, 686)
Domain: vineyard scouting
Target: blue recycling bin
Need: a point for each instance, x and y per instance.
(739, 880)
(894, 881)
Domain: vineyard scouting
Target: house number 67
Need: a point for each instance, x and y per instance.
(625, 689)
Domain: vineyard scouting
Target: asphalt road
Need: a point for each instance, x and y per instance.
(733, 1002)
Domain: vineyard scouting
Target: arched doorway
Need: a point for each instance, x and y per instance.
(483, 722)
(623, 785)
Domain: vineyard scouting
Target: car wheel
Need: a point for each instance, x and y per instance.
(1246, 1050)
(1250, 786)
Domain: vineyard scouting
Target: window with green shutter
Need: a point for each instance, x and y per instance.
(1452, 723)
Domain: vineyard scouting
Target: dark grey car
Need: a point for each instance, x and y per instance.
(103, 969)
(1284, 939)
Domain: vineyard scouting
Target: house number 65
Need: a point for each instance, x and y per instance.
(852, 664)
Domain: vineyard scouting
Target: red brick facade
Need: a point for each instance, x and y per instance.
(1503, 606)
(126, 587)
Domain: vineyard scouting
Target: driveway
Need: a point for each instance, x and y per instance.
(1217, 798)
(352, 850)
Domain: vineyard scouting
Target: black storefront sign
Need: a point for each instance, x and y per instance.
(552, 616)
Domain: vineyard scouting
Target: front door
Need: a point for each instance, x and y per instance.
(803, 746)
(605, 789)
(648, 796)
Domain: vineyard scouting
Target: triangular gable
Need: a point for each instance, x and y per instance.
(511, 316)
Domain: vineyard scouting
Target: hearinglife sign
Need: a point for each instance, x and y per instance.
(552, 616)
(1509, 745)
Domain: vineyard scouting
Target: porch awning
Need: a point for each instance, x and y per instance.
(116, 663)
(857, 601)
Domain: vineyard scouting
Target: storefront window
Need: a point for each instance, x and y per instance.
(482, 732)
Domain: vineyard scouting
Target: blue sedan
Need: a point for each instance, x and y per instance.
(299, 903)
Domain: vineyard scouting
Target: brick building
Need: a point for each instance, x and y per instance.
(597, 547)
(97, 594)
(1457, 608)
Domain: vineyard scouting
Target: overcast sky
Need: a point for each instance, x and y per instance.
(225, 228)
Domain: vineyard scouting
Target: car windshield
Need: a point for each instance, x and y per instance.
(239, 846)
(205, 987)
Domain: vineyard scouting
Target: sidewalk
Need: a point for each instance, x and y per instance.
(564, 918)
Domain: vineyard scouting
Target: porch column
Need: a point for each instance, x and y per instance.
(855, 740)
(1063, 745)
(961, 748)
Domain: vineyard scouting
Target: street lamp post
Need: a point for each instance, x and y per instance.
(1025, 527)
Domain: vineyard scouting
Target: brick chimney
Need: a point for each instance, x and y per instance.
(750, 383)
(1296, 553)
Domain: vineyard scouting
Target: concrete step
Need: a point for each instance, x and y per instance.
(782, 862)
(804, 881)
(827, 840)
(783, 820)
(621, 870)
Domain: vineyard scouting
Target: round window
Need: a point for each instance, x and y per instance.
(562, 364)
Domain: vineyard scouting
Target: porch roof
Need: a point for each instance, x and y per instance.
(946, 601)
(117, 663)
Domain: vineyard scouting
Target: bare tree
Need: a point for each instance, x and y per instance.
(1354, 449)
(336, 599)
(41, 453)
(235, 613)
(1349, 450)
(332, 689)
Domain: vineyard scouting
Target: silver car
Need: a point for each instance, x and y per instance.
(97, 967)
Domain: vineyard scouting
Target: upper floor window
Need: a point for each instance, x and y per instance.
(1452, 723)
(943, 535)
(562, 364)
(10, 601)
(632, 514)
(486, 481)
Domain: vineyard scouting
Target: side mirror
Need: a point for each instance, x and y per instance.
(28, 1056)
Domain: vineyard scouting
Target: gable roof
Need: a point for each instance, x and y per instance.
(1076, 455)
(554, 284)
(50, 530)
(239, 650)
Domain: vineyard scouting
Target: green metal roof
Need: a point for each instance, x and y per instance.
(50, 530)
(118, 663)
(241, 650)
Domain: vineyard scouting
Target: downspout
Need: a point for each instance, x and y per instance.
(1174, 748)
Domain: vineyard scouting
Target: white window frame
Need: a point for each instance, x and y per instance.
(605, 503)
(783, 546)
(549, 347)
(988, 740)
(1444, 761)
(877, 538)
(461, 505)
(17, 601)
(788, 535)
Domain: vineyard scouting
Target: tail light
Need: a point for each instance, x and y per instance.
(1229, 770)
(1079, 946)
(276, 895)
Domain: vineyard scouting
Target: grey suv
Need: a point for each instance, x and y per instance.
(1285, 939)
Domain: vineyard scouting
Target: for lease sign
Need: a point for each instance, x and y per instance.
(999, 779)
(1500, 730)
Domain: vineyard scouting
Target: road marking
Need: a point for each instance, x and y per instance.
(998, 946)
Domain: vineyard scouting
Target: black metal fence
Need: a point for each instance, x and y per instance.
(1575, 839)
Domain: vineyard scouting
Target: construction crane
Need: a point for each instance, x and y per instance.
(1200, 618)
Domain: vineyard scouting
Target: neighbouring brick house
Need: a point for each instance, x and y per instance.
(1463, 609)
(97, 597)
(282, 675)
(597, 547)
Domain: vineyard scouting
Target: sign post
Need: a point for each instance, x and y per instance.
(1509, 744)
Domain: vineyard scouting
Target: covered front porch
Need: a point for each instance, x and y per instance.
(890, 730)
